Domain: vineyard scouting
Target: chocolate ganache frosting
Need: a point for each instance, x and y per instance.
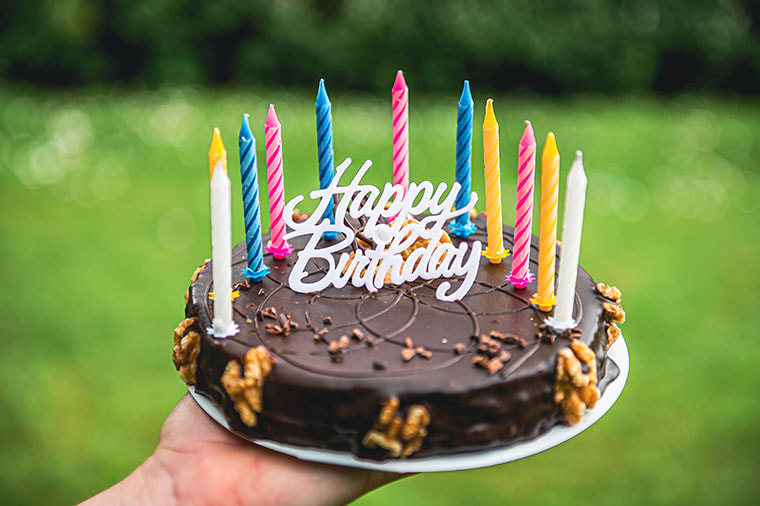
(397, 373)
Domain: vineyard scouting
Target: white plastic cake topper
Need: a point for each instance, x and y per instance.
(369, 267)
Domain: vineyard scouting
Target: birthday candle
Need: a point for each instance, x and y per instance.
(572, 227)
(256, 269)
(221, 239)
(495, 250)
(462, 226)
(278, 246)
(400, 113)
(547, 238)
(325, 150)
(526, 167)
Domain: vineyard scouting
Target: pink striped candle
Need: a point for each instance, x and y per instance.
(400, 113)
(526, 161)
(277, 246)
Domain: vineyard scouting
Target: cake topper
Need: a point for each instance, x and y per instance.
(369, 267)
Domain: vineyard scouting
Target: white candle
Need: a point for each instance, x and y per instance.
(221, 254)
(572, 228)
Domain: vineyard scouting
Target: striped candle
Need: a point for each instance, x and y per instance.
(400, 113)
(526, 168)
(277, 246)
(256, 269)
(495, 251)
(547, 237)
(462, 226)
(325, 150)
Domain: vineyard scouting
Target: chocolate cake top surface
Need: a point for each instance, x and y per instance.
(349, 338)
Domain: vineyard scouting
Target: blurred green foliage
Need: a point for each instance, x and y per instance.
(104, 205)
(549, 46)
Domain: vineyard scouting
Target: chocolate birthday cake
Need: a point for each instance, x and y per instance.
(398, 373)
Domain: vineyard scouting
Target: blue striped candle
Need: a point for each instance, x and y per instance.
(256, 269)
(325, 150)
(462, 226)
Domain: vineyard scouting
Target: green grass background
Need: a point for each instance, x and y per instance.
(104, 216)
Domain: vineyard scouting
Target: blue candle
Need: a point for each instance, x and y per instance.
(256, 269)
(325, 150)
(462, 226)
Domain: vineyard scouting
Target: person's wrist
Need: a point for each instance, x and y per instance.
(150, 483)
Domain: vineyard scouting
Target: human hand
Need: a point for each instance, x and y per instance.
(199, 462)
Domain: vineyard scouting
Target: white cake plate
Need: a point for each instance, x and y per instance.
(473, 460)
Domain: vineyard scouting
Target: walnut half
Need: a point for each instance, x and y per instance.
(613, 311)
(245, 389)
(198, 271)
(574, 390)
(399, 437)
(613, 333)
(187, 345)
(609, 291)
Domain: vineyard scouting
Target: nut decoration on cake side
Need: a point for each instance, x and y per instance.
(245, 390)
(187, 345)
(195, 276)
(198, 271)
(608, 291)
(400, 438)
(613, 333)
(575, 390)
(613, 311)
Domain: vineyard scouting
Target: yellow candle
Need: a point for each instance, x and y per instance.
(495, 251)
(547, 239)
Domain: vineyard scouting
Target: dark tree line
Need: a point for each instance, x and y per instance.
(550, 46)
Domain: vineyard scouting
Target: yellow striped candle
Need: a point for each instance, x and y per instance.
(495, 251)
(547, 238)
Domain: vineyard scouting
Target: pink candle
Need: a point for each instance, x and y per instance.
(521, 275)
(277, 246)
(400, 113)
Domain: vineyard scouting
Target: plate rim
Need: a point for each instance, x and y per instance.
(618, 352)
